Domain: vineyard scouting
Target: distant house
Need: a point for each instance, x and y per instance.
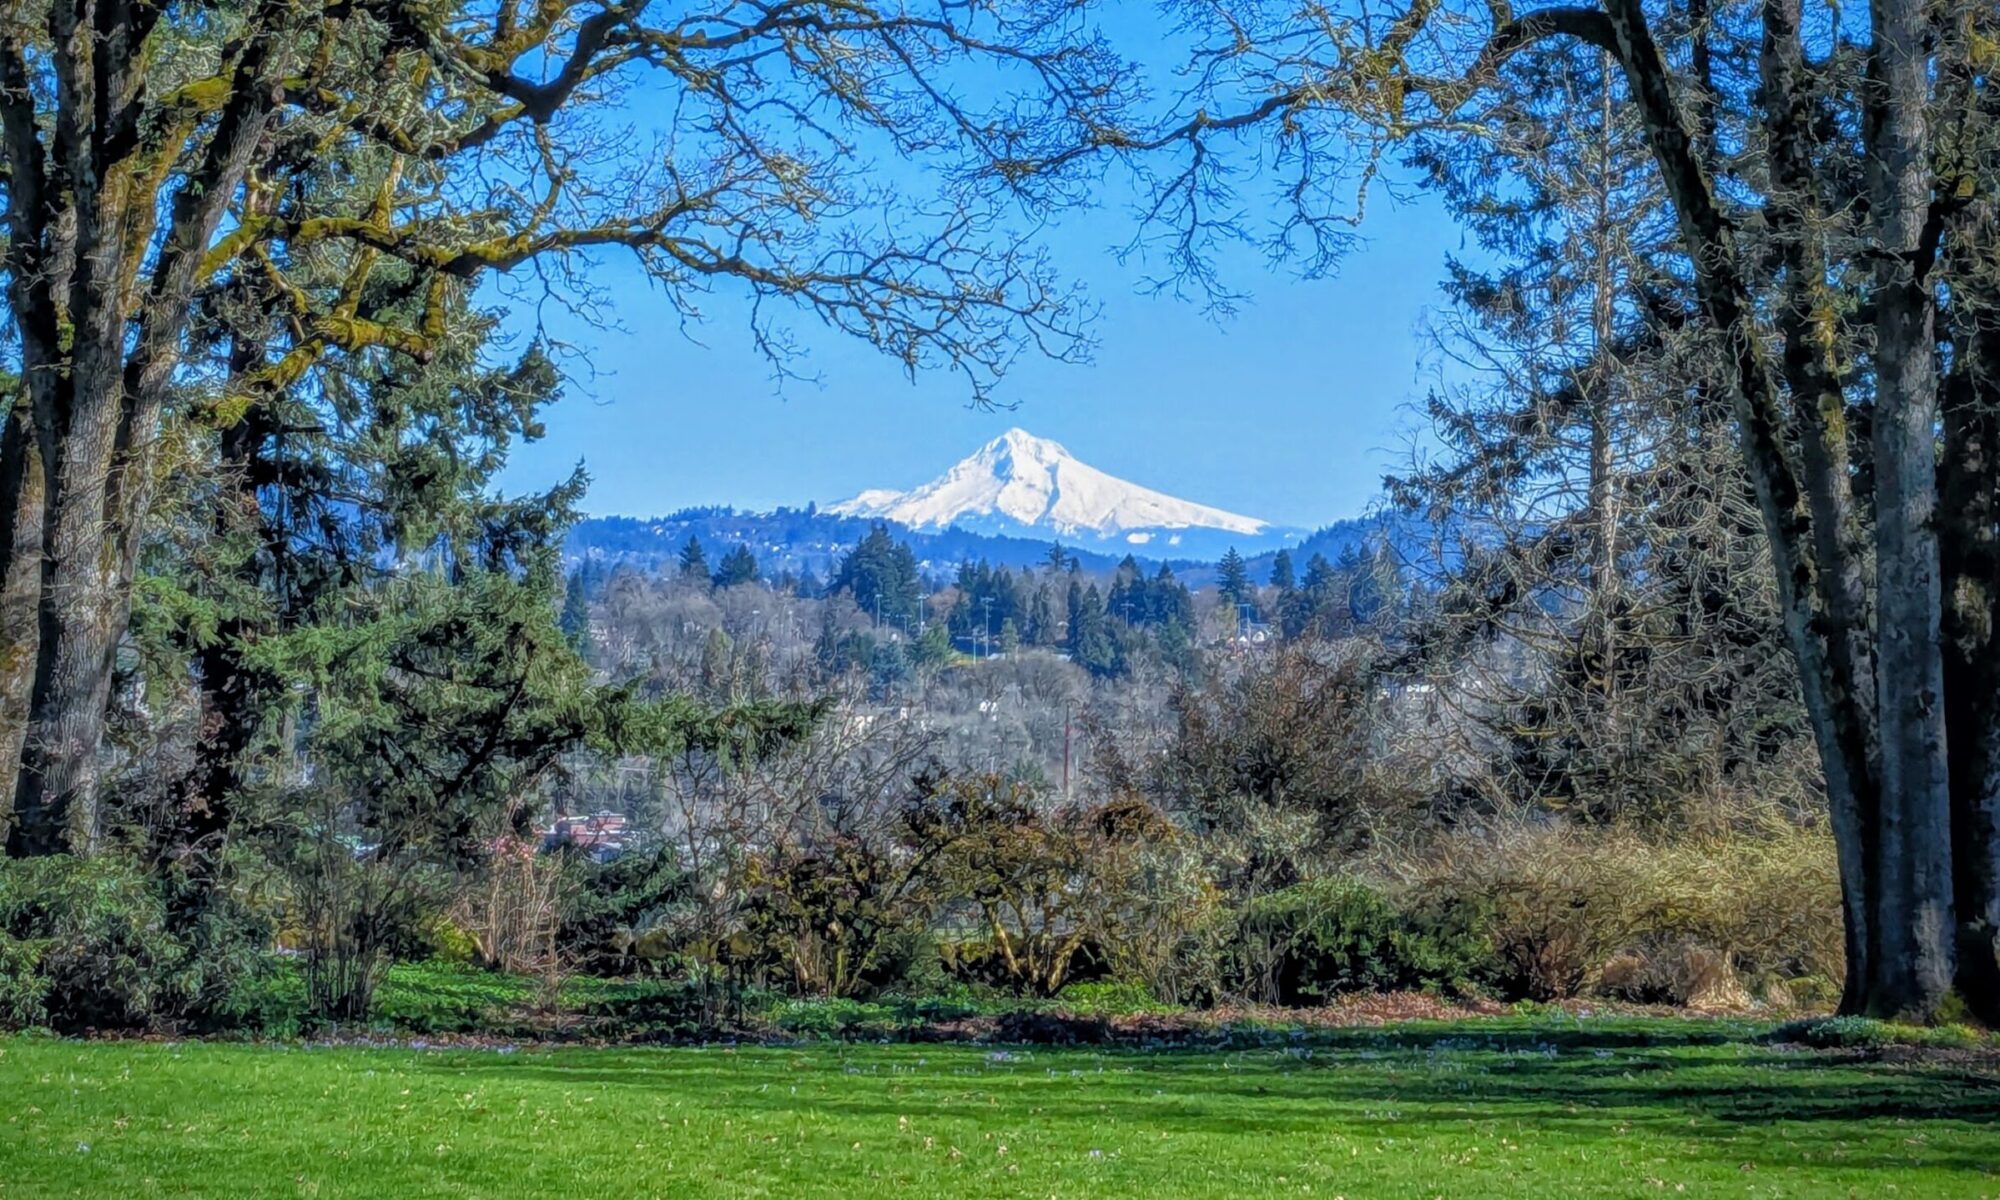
(602, 835)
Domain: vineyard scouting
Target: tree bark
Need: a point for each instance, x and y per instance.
(1968, 101)
(1819, 407)
(21, 499)
(1893, 829)
(1916, 928)
(55, 800)
(1970, 560)
(100, 427)
(54, 804)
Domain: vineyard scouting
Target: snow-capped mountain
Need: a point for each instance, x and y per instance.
(1021, 484)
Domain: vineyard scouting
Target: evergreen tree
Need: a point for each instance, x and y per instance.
(427, 700)
(1307, 609)
(1091, 645)
(1374, 587)
(1073, 632)
(839, 650)
(1232, 579)
(882, 577)
(694, 560)
(1042, 622)
(310, 493)
(987, 600)
(1138, 601)
(933, 649)
(1176, 646)
(739, 566)
(887, 667)
(718, 664)
(1169, 601)
(1282, 577)
(575, 620)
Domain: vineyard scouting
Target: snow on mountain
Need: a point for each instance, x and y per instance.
(1018, 479)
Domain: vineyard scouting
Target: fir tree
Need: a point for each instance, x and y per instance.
(887, 667)
(933, 649)
(1282, 576)
(694, 561)
(1374, 587)
(575, 619)
(1169, 600)
(1091, 645)
(1310, 607)
(882, 577)
(1176, 646)
(739, 566)
(1232, 579)
(1042, 623)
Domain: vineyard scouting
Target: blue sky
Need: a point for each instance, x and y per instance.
(1290, 410)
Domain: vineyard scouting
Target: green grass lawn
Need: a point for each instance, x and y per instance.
(1543, 1108)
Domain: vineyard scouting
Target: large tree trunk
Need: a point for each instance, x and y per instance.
(55, 799)
(81, 618)
(98, 413)
(1883, 753)
(1819, 411)
(1969, 489)
(1971, 569)
(21, 499)
(1915, 927)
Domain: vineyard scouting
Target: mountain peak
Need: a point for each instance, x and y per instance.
(1019, 441)
(1018, 479)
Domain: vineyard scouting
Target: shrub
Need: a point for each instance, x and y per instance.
(450, 943)
(981, 962)
(1337, 934)
(1112, 1000)
(22, 987)
(440, 997)
(1053, 886)
(1166, 924)
(615, 900)
(1670, 970)
(1810, 992)
(1690, 922)
(84, 944)
(1867, 1033)
(839, 1017)
(831, 914)
(1541, 899)
(908, 964)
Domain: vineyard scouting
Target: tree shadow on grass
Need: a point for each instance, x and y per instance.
(1776, 1110)
(1583, 1077)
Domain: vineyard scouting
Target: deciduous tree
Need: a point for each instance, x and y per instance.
(158, 155)
(1851, 233)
